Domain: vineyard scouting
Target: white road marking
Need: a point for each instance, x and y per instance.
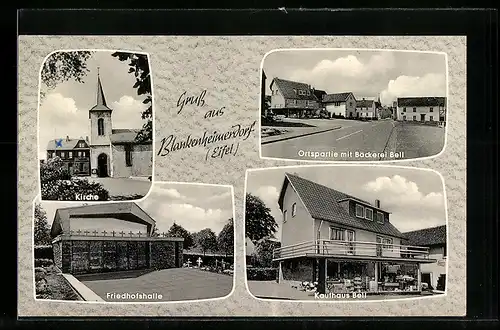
(343, 137)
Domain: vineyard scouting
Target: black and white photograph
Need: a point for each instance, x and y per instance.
(175, 245)
(360, 105)
(338, 233)
(95, 126)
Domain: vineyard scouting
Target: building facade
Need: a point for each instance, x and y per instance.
(366, 109)
(340, 104)
(292, 98)
(434, 238)
(110, 237)
(422, 109)
(75, 153)
(342, 242)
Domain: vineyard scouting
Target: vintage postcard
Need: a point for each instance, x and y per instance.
(185, 176)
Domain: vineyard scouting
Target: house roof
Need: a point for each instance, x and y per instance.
(100, 99)
(125, 211)
(319, 93)
(421, 101)
(338, 97)
(427, 236)
(364, 103)
(65, 144)
(323, 204)
(287, 88)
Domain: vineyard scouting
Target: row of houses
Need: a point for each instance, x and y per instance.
(339, 239)
(291, 98)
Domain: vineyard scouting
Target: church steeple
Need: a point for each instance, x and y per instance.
(101, 100)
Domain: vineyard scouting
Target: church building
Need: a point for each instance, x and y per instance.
(113, 152)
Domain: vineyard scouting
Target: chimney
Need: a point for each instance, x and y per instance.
(377, 203)
(363, 98)
(87, 138)
(67, 138)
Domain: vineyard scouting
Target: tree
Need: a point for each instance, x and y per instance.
(139, 66)
(179, 231)
(41, 230)
(63, 66)
(259, 222)
(264, 252)
(225, 239)
(206, 240)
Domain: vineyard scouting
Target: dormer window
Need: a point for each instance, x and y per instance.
(368, 214)
(294, 209)
(380, 217)
(360, 211)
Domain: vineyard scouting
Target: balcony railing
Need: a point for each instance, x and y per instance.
(324, 247)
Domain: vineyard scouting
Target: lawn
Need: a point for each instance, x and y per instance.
(57, 288)
(267, 122)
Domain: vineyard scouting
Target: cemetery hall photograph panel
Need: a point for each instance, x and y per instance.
(359, 105)
(329, 233)
(176, 245)
(95, 126)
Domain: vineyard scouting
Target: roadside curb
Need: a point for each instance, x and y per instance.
(300, 135)
(82, 289)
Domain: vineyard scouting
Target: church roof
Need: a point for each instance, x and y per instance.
(101, 100)
(123, 135)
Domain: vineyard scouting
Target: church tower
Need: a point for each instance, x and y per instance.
(100, 132)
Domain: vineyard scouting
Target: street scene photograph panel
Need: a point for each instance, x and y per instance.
(95, 129)
(176, 245)
(359, 105)
(329, 233)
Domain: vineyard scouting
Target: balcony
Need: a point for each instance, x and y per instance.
(354, 250)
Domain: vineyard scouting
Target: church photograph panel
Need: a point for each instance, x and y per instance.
(95, 126)
(175, 245)
(338, 233)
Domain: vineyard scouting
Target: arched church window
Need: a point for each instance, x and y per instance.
(100, 126)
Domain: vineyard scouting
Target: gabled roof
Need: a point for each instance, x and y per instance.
(421, 101)
(64, 144)
(364, 103)
(123, 135)
(287, 88)
(319, 93)
(427, 236)
(100, 99)
(125, 211)
(323, 204)
(338, 97)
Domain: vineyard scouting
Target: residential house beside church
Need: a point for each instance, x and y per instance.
(423, 109)
(434, 238)
(344, 243)
(109, 152)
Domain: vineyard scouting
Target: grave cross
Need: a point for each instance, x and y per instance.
(131, 233)
(104, 232)
(164, 234)
(189, 262)
(122, 233)
(199, 261)
(95, 232)
(78, 232)
(113, 232)
(139, 233)
(86, 232)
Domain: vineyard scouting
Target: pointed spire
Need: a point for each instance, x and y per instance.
(101, 100)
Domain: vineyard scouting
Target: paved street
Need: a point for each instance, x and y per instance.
(382, 140)
(124, 188)
(173, 284)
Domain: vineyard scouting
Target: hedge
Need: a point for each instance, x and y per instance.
(262, 274)
(43, 262)
(44, 252)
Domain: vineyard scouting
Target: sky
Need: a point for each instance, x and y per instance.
(415, 198)
(193, 206)
(64, 110)
(368, 74)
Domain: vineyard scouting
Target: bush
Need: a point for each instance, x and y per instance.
(262, 274)
(43, 262)
(44, 252)
(57, 184)
(66, 190)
